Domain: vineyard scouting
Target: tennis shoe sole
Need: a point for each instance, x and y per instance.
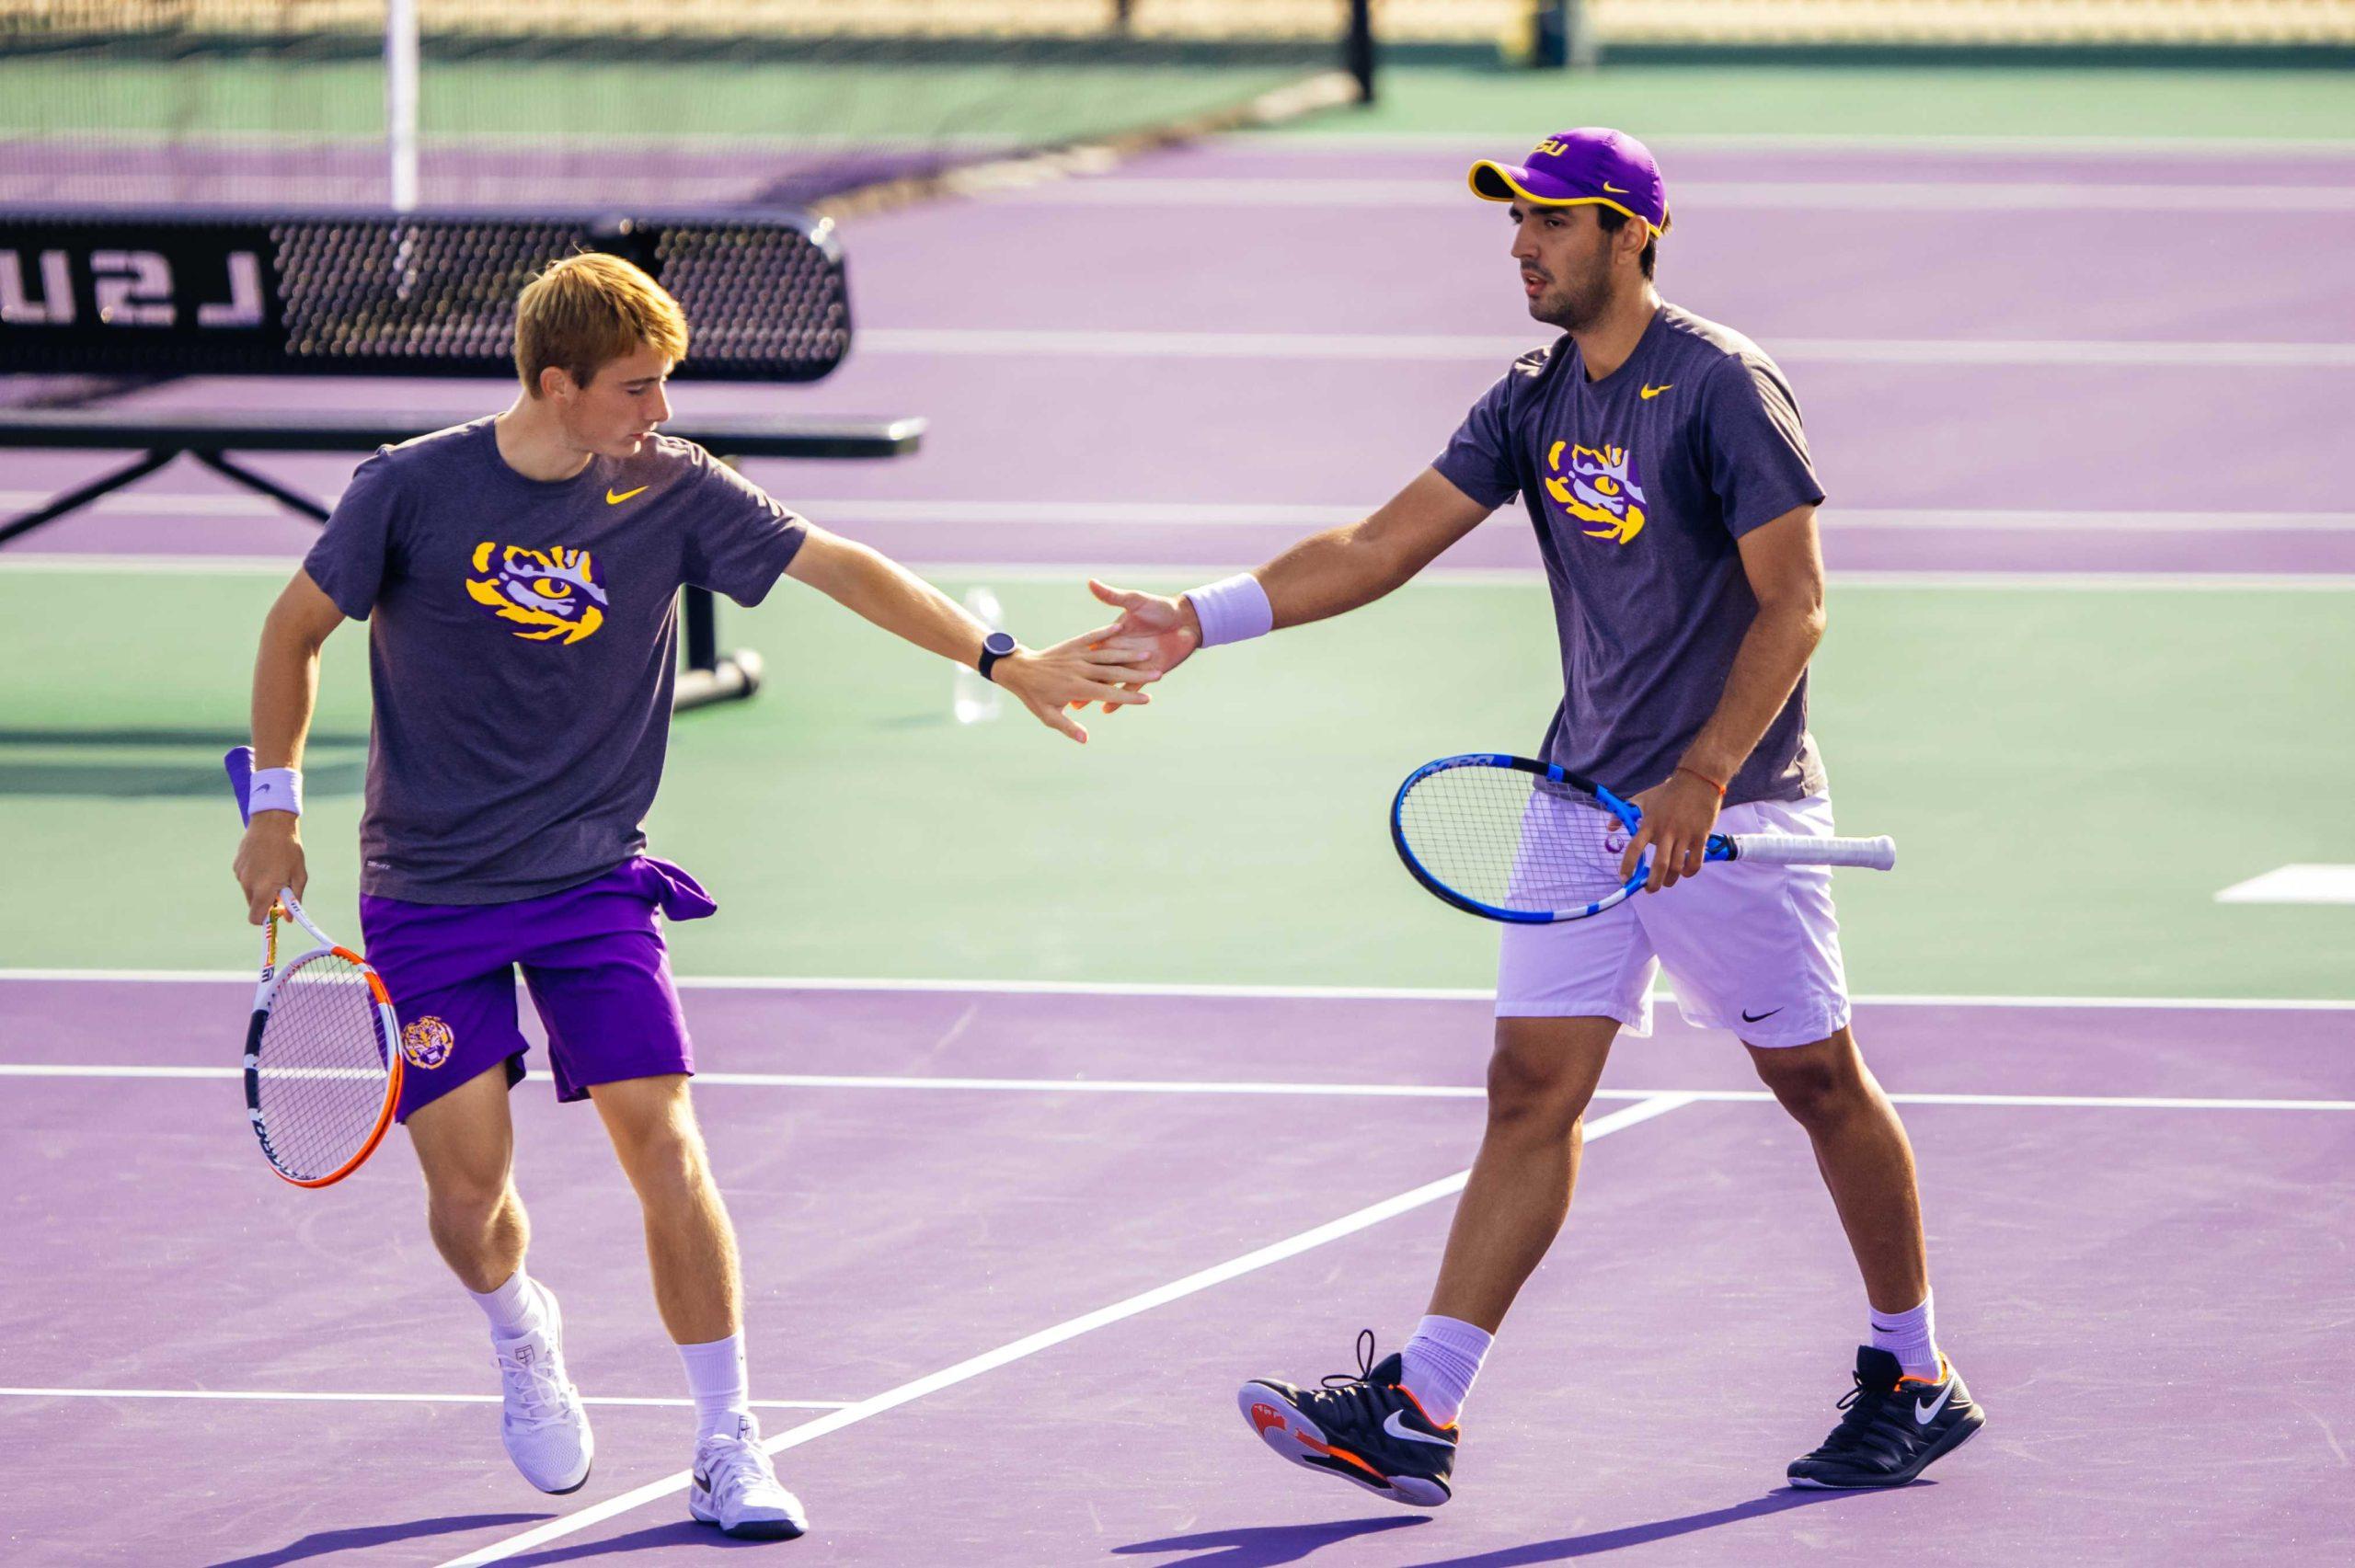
(1293, 1437)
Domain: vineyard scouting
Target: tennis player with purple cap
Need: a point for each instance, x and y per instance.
(1593, 168)
(1660, 460)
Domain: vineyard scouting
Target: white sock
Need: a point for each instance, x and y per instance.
(1439, 1364)
(514, 1309)
(1912, 1337)
(717, 1379)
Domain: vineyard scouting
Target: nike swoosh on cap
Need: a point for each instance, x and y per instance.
(1614, 190)
(1397, 1428)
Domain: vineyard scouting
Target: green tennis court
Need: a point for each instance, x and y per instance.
(2066, 814)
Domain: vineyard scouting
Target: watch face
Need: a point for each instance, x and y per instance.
(999, 644)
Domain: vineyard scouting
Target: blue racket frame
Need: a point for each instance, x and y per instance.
(1628, 817)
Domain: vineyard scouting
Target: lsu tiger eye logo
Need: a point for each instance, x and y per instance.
(552, 594)
(427, 1042)
(1598, 486)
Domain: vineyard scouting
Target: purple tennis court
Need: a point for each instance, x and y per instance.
(1009, 1251)
(1116, 348)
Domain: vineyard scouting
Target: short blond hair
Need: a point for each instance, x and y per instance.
(587, 311)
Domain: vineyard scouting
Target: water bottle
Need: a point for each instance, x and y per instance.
(975, 699)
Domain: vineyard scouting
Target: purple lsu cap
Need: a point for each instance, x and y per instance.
(1592, 167)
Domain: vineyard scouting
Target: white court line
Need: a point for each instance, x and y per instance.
(1247, 514)
(1254, 514)
(1454, 347)
(1440, 576)
(276, 1396)
(1177, 988)
(1263, 1088)
(1689, 196)
(1485, 144)
(1071, 1328)
(2304, 883)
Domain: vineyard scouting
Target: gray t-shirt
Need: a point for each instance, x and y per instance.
(523, 646)
(1639, 485)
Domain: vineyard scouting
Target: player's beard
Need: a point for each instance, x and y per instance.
(1579, 302)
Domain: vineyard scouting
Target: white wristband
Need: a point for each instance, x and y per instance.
(275, 789)
(1232, 609)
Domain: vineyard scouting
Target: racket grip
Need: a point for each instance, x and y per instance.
(1800, 849)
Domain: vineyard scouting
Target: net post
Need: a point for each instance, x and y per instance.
(400, 102)
(1357, 49)
(703, 629)
(711, 676)
(1560, 35)
(1580, 50)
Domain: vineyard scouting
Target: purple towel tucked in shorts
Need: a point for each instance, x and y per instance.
(591, 954)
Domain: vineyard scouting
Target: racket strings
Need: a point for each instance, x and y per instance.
(322, 1067)
(1513, 840)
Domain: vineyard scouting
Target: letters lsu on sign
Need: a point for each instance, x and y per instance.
(53, 286)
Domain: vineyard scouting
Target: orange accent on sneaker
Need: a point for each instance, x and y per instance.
(1423, 1409)
(1264, 1417)
(1946, 1370)
(1332, 1452)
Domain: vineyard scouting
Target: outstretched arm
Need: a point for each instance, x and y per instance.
(1080, 669)
(1325, 575)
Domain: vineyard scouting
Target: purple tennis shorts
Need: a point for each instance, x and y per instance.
(593, 957)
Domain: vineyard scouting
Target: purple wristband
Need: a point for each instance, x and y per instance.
(1232, 609)
(275, 789)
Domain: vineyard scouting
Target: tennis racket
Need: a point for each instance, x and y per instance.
(1513, 840)
(323, 1061)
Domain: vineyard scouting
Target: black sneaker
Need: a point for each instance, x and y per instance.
(1363, 1428)
(1894, 1427)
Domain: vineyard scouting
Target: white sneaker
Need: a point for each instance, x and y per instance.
(544, 1426)
(736, 1488)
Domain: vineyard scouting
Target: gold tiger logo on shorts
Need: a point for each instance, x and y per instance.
(427, 1042)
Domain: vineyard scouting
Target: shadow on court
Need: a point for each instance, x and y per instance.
(654, 1538)
(324, 1543)
(118, 763)
(1565, 1547)
(1266, 1546)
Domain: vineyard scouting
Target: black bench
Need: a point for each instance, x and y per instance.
(153, 297)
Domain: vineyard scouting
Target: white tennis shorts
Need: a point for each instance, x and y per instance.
(1749, 947)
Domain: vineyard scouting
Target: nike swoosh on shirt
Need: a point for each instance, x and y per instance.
(1397, 1428)
(614, 500)
(1925, 1414)
(1648, 392)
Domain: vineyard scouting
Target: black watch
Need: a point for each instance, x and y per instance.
(994, 646)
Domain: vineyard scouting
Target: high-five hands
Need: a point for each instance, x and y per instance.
(1166, 628)
(1093, 667)
(1160, 631)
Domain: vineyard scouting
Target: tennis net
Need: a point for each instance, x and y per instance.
(570, 103)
